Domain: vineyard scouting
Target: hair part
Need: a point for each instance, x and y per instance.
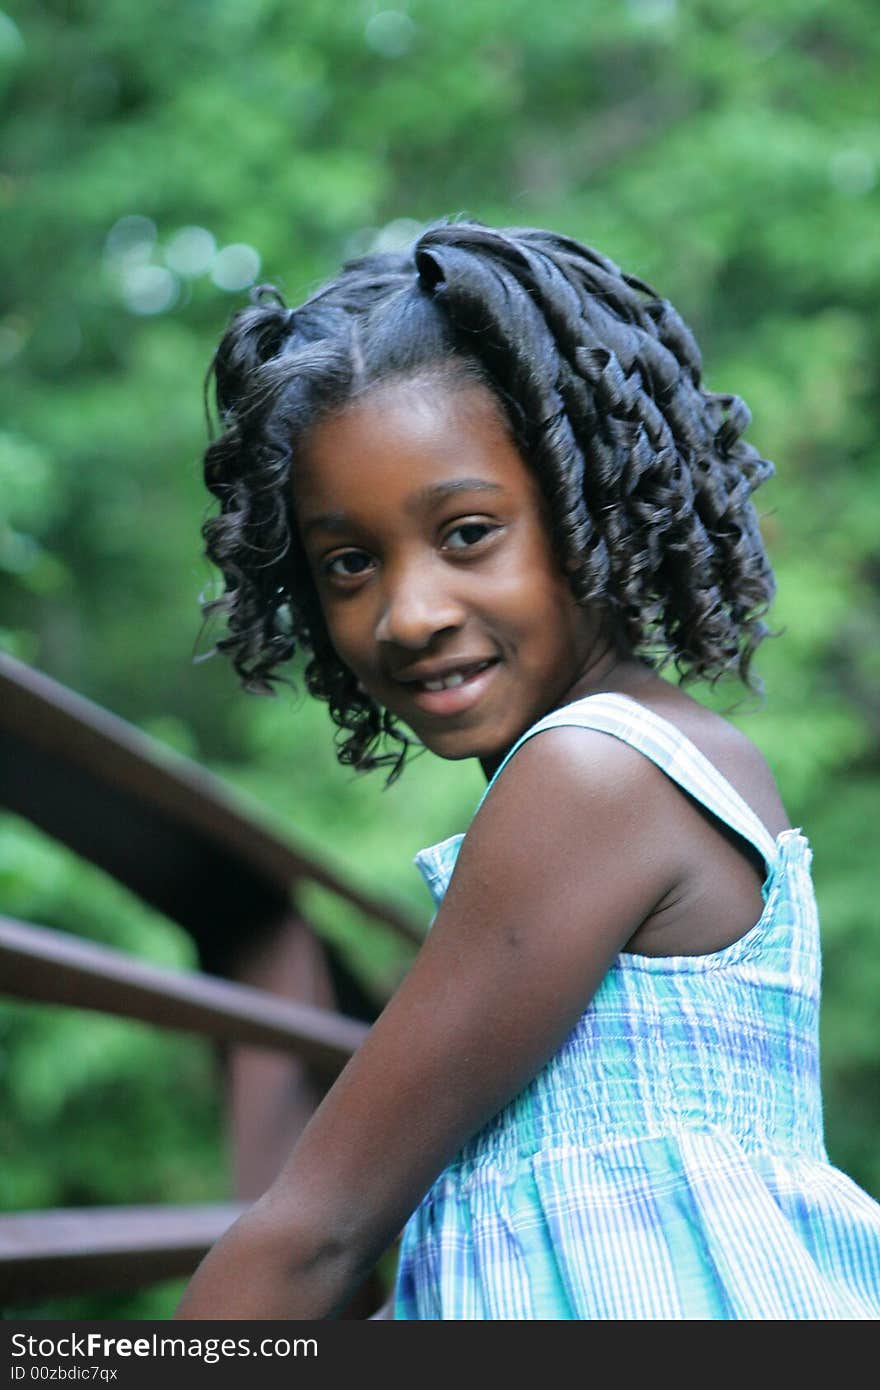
(646, 476)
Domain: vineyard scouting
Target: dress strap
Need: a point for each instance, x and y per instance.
(667, 747)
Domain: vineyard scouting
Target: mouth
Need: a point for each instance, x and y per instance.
(456, 691)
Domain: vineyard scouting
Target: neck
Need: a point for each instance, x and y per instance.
(606, 668)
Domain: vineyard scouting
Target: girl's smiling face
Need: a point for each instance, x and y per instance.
(427, 539)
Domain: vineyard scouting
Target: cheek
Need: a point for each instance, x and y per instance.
(554, 624)
(349, 631)
(543, 591)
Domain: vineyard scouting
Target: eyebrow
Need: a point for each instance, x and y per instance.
(426, 496)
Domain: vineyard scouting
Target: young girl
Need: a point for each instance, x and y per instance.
(482, 485)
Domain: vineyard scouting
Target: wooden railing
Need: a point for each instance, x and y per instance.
(286, 1004)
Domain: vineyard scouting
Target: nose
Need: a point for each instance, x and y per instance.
(417, 605)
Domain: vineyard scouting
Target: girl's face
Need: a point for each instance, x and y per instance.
(427, 539)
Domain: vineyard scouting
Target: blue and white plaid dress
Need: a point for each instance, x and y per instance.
(668, 1162)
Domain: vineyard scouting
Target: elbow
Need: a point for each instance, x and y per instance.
(311, 1242)
(276, 1261)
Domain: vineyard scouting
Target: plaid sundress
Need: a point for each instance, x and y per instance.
(668, 1162)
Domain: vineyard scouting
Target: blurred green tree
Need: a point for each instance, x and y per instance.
(159, 160)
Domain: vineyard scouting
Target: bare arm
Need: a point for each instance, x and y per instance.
(559, 868)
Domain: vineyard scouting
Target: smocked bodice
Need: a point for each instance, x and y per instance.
(727, 1040)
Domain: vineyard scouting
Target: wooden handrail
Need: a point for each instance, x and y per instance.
(174, 835)
(54, 967)
(47, 1253)
(191, 812)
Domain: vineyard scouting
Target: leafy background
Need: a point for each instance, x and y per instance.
(156, 161)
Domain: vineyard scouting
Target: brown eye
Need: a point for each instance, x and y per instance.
(471, 533)
(349, 565)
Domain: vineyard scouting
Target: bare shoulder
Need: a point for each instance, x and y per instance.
(578, 794)
(588, 803)
(574, 770)
(578, 763)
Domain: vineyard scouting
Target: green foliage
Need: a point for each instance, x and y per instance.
(69, 1077)
(727, 151)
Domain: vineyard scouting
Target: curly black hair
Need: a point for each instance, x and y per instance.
(646, 477)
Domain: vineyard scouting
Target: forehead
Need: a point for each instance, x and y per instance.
(411, 441)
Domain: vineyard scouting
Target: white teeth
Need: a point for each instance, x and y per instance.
(454, 678)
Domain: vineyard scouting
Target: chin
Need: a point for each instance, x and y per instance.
(456, 755)
(456, 749)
